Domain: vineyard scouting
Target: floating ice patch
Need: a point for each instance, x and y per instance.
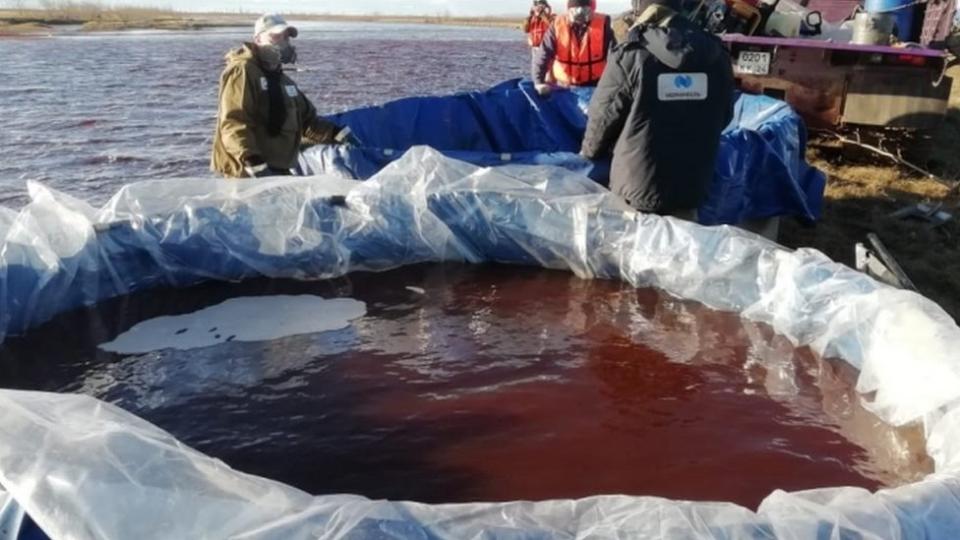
(257, 318)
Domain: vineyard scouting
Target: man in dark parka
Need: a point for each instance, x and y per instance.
(665, 96)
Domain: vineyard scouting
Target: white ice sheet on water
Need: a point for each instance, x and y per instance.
(254, 318)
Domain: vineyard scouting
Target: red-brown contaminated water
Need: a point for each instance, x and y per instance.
(489, 383)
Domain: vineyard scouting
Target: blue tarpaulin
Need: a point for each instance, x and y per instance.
(760, 170)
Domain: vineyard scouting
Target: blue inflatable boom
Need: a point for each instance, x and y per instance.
(760, 171)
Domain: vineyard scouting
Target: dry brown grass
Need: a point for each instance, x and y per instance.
(503, 22)
(24, 29)
(864, 189)
(113, 21)
(95, 17)
(860, 198)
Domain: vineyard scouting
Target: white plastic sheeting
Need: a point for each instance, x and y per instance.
(85, 469)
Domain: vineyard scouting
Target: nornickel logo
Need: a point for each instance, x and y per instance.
(682, 86)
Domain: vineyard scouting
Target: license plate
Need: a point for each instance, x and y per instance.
(753, 63)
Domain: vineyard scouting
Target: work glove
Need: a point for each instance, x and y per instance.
(256, 168)
(542, 89)
(346, 137)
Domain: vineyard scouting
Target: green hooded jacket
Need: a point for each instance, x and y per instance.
(242, 135)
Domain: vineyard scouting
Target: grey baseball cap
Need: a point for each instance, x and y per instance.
(273, 23)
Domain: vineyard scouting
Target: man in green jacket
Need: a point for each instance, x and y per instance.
(263, 117)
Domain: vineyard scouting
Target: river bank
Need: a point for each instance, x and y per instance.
(25, 22)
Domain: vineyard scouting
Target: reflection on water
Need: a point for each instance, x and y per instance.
(489, 383)
(89, 113)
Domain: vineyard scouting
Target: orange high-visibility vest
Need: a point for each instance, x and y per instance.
(579, 62)
(536, 28)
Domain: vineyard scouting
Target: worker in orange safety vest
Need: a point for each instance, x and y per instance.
(538, 22)
(574, 49)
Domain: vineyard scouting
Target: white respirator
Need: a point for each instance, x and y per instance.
(580, 15)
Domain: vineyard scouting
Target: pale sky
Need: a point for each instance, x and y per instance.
(395, 7)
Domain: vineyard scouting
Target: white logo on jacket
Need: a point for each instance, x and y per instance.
(682, 86)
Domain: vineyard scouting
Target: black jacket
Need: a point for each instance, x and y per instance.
(649, 109)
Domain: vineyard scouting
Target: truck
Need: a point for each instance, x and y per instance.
(839, 85)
